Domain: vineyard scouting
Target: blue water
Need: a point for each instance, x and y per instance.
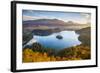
(70, 38)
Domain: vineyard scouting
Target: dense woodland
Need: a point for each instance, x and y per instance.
(38, 53)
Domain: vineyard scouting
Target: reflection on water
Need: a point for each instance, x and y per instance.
(69, 38)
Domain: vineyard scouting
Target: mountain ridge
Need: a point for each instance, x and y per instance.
(50, 22)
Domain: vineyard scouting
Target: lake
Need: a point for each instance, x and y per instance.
(69, 39)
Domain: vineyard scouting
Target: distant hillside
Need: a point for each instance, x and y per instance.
(44, 22)
(85, 36)
(52, 23)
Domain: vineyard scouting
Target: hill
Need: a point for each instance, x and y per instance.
(85, 35)
(52, 23)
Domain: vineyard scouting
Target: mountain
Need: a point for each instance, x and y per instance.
(44, 22)
(52, 23)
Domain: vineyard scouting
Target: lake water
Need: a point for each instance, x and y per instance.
(70, 38)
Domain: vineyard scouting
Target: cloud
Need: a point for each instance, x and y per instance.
(26, 17)
(86, 17)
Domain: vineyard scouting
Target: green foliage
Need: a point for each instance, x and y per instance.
(37, 53)
(39, 48)
(80, 51)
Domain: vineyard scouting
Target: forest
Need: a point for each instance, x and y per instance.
(37, 53)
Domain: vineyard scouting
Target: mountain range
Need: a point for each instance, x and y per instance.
(50, 22)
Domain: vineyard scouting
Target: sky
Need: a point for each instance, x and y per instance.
(77, 17)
